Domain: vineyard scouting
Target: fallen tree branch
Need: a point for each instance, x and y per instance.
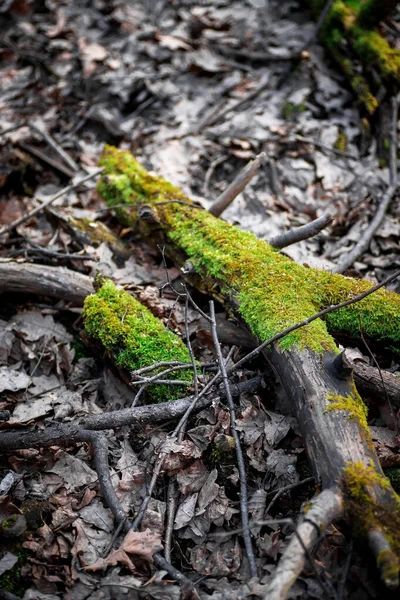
(325, 507)
(237, 186)
(270, 293)
(57, 282)
(301, 233)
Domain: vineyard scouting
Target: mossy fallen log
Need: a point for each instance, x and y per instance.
(129, 334)
(269, 293)
(351, 32)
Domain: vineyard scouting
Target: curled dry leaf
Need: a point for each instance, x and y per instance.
(142, 544)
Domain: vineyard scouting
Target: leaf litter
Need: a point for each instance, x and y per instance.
(149, 80)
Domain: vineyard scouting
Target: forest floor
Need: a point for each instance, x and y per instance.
(191, 90)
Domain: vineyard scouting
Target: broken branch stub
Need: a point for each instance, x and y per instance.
(269, 293)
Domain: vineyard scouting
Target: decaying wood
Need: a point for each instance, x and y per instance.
(335, 432)
(27, 278)
(372, 382)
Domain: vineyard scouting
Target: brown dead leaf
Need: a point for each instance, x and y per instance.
(91, 54)
(172, 43)
(142, 544)
(179, 455)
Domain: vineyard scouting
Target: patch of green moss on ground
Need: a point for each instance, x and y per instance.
(11, 581)
(132, 336)
(272, 291)
(361, 484)
(341, 142)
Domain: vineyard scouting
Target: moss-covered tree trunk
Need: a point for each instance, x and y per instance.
(354, 38)
(269, 293)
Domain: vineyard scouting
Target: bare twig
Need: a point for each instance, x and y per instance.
(367, 235)
(362, 245)
(319, 24)
(217, 114)
(237, 186)
(323, 147)
(301, 233)
(172, 491)
(56, 164)
(13, 128)
(39, 208)
(393, 141)
(285, 489)
(244, 511)
(345, 572)
(56, 147)
(210, 171)
(100, 448)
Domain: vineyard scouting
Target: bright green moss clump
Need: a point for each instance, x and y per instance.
(353, 404)
(271, 291)
(352, 24)
(133, 337)
(361, 486)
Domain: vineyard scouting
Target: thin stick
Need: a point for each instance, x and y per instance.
(237, 186)
(56, 164)
(13, 128)
(172, 491)
(244, 510)
(287, 488)
(56, 147)
(39, 208)
(100, 448)
(393, 141)
(367, 235)
(301, 233)
(216, 115)
(363, 244)
(345, 572)
(323, 147)
(320, 23)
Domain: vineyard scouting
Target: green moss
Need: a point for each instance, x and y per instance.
(272, 291)
(373, 49)
(11, 580)
(352, 404)
(132, 336)
(6, 524)
(287, 111)
(341, 142)
(388, 563)
(393, 474)
(96, 231)
(352, 23)
(290, 110)
(378, 314)
(363, 485)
